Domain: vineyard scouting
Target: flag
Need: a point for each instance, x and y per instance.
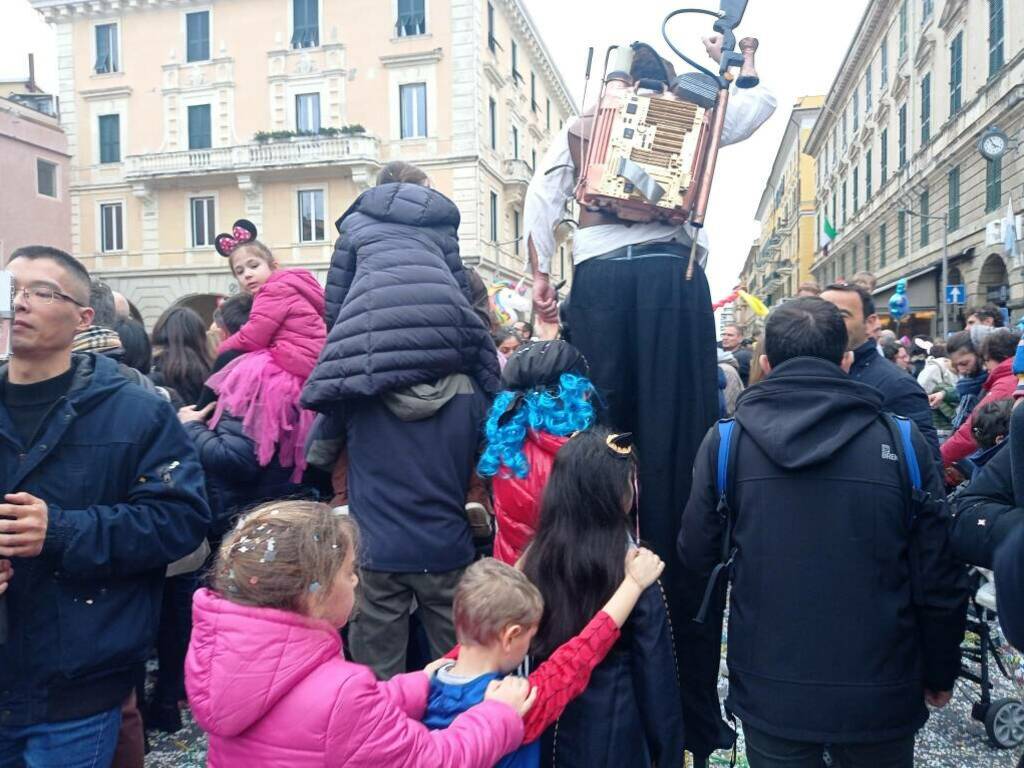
(828, 233)
(1010, 233)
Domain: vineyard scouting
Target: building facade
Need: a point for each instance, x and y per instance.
(898, 159)
(35, 207)
(786, 212)
(185, 115)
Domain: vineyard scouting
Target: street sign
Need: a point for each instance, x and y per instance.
(955, 294)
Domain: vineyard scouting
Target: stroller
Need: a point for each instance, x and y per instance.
(1003, 718)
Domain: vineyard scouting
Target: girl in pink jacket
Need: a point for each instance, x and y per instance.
(282, 341)
(265, 673)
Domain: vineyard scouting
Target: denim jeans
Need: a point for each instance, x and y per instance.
(765, 751)
(85, 743)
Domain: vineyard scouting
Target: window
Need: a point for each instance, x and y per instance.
(926, 108)
(996, 35)
(412, 18)
(204, 226)
(307, 113)
(199, 133)
(867, 176)
(993, 184)
(197, 36)
(107, 53)
(903, 29)
(856, 190)
(842, 265)
(953, 220)
(867, 253)
(516, 77)
(516, 224)
(834, 221)
(491, 42)
(884, 157)
(927, 8)
(903, 136)
(844, 203)
(413, 100)
(110, 138)
(492, 113)
(111, 228)
(856, 111)
(881, 245)
(884, 57)
(901, 234)
(305, 24)
(311, 215)
(853, 261)
(46, 178)
(533, 92)
(925, 221)
(548, 113)
(868, 96)
(494, 217)
(956, 74)
(515, 142)
(844, 129)
(533, 159)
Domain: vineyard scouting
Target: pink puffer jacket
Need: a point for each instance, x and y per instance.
(272, 689)
(288, 319)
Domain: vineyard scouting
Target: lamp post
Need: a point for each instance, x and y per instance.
(944, 218)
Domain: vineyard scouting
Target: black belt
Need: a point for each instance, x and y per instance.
(672, 250)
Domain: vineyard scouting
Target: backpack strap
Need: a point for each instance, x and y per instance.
(901, 433)
(728, 437)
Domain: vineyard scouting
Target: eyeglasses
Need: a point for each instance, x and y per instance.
(44, 294)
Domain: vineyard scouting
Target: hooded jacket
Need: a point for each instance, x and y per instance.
(124, 492)
(288, 319)
(1001, 383)
(517, 500)
(842, 611)
(398, 301)
(272, 687)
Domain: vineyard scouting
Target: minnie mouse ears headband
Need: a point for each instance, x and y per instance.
(243, 231)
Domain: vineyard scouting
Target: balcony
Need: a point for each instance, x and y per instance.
(247, 158)
(517, 178)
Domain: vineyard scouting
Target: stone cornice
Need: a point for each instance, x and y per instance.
(952, 13)
(415, 59)
(99, 94)
(58, 10)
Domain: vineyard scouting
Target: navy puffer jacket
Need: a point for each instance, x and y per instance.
(398, 301)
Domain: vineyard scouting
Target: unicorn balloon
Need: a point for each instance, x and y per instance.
(511, 302)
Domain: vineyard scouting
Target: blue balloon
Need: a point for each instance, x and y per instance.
(899, 305)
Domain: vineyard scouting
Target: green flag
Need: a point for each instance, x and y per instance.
(828, 233)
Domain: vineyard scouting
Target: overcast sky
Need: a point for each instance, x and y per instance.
(802, 45)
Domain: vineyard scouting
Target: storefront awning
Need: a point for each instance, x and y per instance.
(922, 290)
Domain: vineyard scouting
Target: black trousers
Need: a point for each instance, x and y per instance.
(766, 751)
(649, 336)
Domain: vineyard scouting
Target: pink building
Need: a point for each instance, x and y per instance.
(35, 207)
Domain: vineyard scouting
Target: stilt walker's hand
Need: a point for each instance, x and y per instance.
(544, 302)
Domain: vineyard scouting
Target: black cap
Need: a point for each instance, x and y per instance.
(541, 364)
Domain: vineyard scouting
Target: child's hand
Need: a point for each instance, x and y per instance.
(188, 413)
(432, 667)
(643, 566)
(514, 691)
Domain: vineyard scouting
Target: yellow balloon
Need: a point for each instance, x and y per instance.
(754, 303)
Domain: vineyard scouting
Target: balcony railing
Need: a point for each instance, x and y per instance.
(253, 157)
(518, 171)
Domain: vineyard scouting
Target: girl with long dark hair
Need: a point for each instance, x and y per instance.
(181, 358)
(576, 562)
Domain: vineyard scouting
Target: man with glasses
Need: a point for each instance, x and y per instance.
(101, 490)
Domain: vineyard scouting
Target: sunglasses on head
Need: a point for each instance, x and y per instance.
(620, 444)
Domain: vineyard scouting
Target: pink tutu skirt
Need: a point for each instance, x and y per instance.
(265, 397)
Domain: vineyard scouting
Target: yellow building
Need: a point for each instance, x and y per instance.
(786, 213)
(184, 115)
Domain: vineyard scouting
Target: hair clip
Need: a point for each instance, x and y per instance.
(243, 231)
(314, 587)
(621, 444)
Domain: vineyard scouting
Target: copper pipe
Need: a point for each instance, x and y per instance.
(708, 172)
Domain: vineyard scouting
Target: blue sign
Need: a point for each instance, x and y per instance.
(956, 294)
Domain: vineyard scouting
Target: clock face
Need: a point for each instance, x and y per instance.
(993, 145)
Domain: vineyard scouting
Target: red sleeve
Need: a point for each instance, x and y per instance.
(566, 674)
(269, 308)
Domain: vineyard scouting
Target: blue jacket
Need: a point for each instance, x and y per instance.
(125, 496)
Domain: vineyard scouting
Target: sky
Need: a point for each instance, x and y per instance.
(802, 46)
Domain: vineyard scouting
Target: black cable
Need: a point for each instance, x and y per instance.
(680, 54)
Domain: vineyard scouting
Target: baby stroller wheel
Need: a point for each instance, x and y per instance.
(1004, 723)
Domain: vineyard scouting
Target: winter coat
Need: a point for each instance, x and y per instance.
(1009, 573)
(125, 495)
(288, 319)
(517, 500)
(272, 687)
(937, 376)
(235, 480)
(398, 301)
(901, 394)
(840, 616)
(1001, 383)
(629, 716)
(986, 511)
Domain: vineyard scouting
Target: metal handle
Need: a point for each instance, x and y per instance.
(748, 73)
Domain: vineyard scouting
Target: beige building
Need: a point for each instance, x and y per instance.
(786, 213)
(184, 115)
(898, 160)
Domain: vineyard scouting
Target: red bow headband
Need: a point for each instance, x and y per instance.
(243, 231)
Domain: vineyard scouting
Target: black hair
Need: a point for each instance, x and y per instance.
(960, 342)
(891, 350)
(1000, 345)
(77, 271)
(234, 312)
(184, 362)
(988, 312)
(138, 353)
(867, 303)
(991, 421)
(577, 558)
(101, 299)
(503, 334)
(648, 65)
(807, 327)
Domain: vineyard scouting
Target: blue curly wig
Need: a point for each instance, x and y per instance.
(562, 413)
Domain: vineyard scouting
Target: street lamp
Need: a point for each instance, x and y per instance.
(944, 218)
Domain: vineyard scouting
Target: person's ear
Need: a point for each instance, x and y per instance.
(847, 362)
(509, 635)
(85, 316)
(766, 367)
(872, 324)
